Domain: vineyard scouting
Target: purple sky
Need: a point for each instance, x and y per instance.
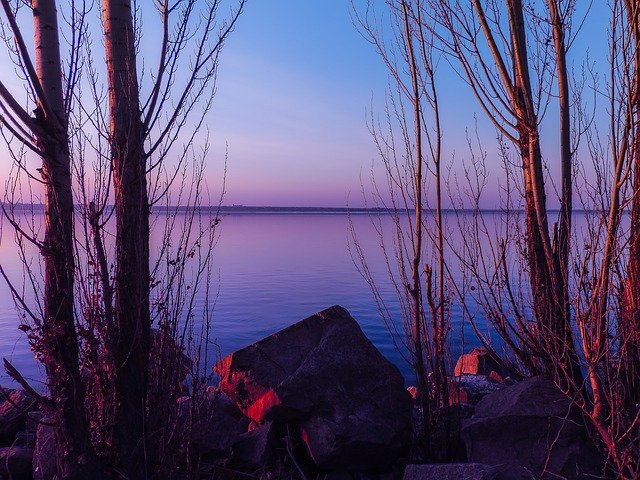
(296, 83)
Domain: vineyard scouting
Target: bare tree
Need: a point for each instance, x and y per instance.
(410, 149)
(478, 38)
(96, 345)
(47, 135)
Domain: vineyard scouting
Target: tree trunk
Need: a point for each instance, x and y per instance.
(59, 337)
(630, 319)
(548, 283)
(131, 347)
(422, 393)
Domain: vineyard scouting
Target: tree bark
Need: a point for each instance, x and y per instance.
(131, 345)
(59, 345)
(630, 318)
(548, 283)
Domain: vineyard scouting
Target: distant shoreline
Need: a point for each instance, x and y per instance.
(251, 209)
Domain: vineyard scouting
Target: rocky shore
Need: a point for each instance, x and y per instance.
(319, 398)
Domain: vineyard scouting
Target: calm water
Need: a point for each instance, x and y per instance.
(273, 269)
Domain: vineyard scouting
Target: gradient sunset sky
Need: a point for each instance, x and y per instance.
(296, 85)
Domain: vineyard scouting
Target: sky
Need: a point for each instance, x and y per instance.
(296, 86)
(295, 83)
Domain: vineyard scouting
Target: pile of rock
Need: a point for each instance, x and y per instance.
(320, 394)
(513, 428)
(16, 441)
(479, 373)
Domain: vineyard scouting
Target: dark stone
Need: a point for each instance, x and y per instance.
(472, 388)
(14, 407)
(255, 449)
(325, 375)
(25, 439)
(531, 430)
(45, 455)
(15, 463)
(451, 471)
(213, 425)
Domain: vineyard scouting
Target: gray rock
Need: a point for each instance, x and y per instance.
(323, 374)
(255, 449)
(451, 471)
(25, 439)
(45, 455)
(33, 420)
(472, 388)
(14, 408)
(531, 430)
(213, 425)
(15, 463)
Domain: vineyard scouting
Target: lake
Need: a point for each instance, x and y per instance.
(273, 269)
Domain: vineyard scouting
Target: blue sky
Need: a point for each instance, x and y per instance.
(296, 84)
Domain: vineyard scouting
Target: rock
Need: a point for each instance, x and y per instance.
(33, 420)
(14, 408)
(255, 449)
(481, 361)
(213, 425)
(45, 455)
(531, 430)
(324, 375)
(450, 471)
(471, 388)
(413, 391)
(25, 439)
(15, 463)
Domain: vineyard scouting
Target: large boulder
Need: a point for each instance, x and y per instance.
(14, 407)
(324, 375)
(450, 471)
(531, 430)
(255, 449)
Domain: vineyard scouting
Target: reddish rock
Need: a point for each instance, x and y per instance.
(413, 391)
(481, 361)
(324, 375)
